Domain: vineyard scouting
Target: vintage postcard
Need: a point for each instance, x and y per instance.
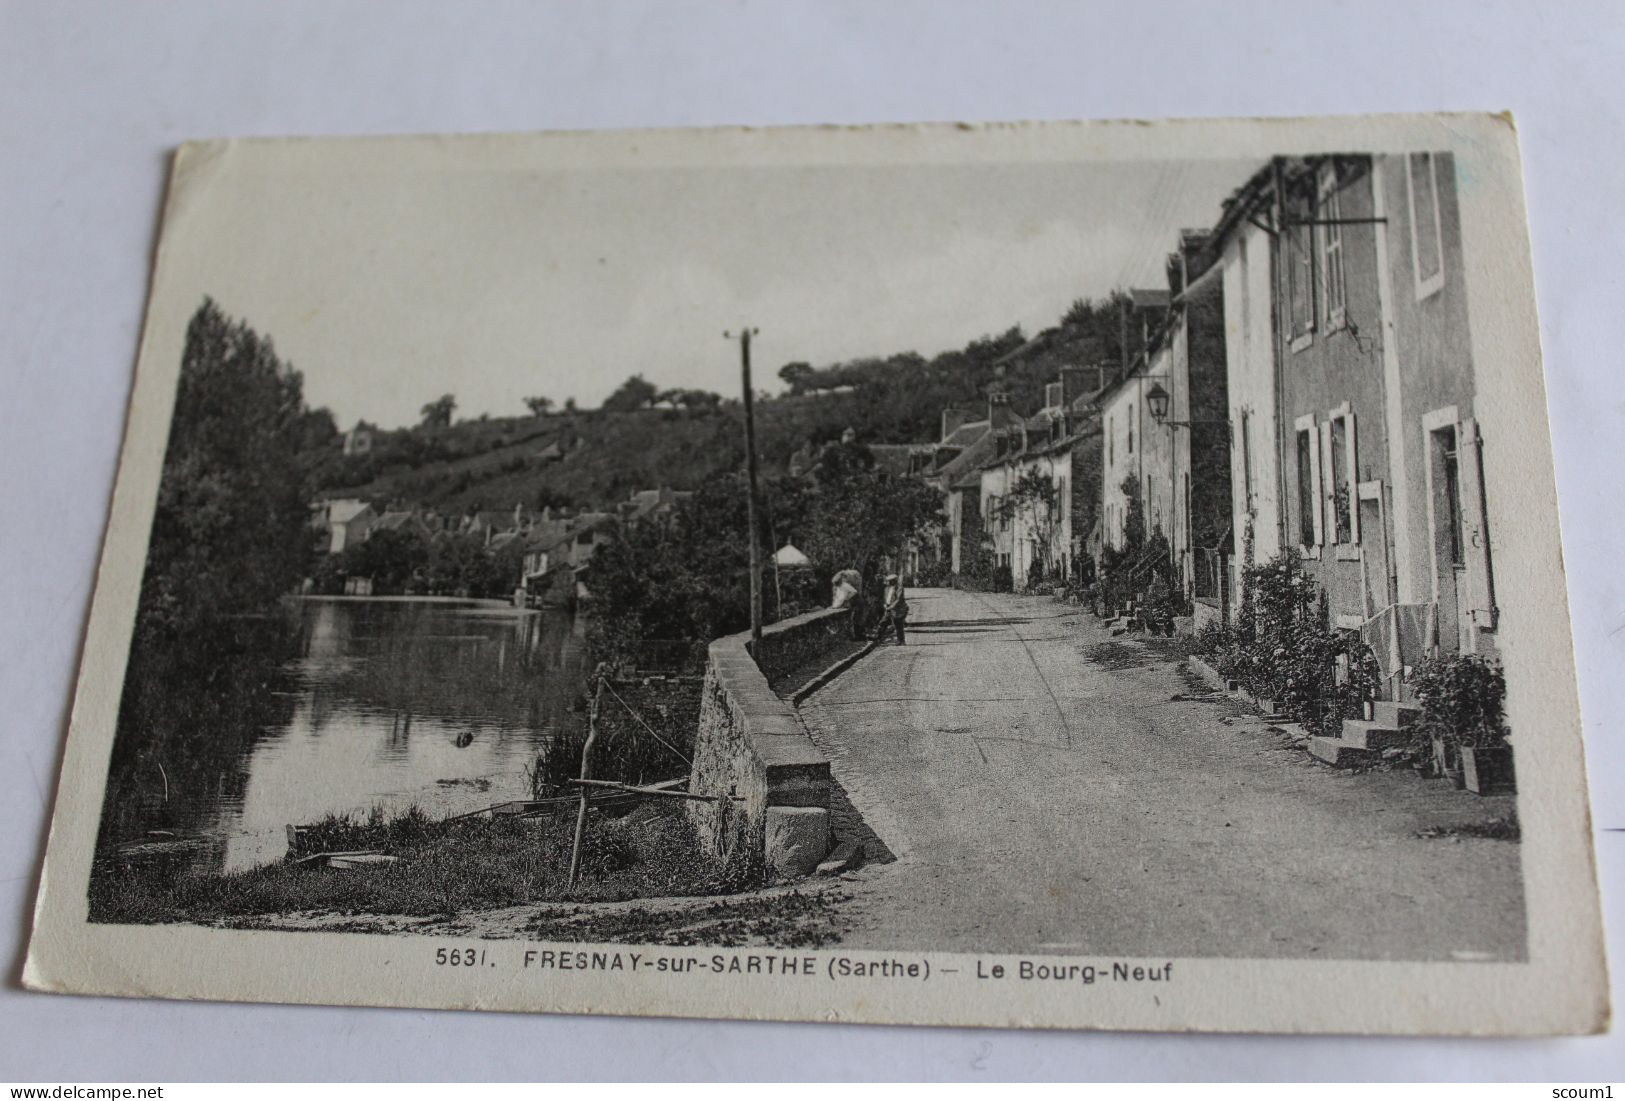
(1069, 575)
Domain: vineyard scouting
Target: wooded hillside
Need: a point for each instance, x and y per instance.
(643, 438)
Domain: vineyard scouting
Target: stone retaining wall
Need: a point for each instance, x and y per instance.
(751, 744)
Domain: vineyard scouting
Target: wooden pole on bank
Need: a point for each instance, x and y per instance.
(598, 677)
(750, 492)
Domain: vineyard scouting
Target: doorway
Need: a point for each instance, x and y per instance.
(1449, 539)
(1376, 559)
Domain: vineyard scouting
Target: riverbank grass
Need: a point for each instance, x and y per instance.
(443, 868)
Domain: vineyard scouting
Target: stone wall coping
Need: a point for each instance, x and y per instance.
(777, 737)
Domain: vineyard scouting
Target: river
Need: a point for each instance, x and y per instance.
(384, 703)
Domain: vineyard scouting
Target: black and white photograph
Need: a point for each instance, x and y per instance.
(887, 557)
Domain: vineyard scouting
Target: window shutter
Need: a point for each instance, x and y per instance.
(1317, 444)
(1475, 529)
(1353, 479)
(1326, 518)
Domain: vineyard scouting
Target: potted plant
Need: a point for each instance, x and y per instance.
(1486, 769)
(1463, 698)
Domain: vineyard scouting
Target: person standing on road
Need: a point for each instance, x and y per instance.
(896, 611)
(848, 593)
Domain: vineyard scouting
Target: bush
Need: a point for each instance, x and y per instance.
(1160, 604)
(1286, 651)
(1463, 699)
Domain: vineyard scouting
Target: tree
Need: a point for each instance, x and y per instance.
(438, 413)
(569, 405)
(859, 515)
(317, 430)
(797, 376)
(633, 394)
(539, 406)
(395, 559)
(1034, 499)
(231, 531)
(686, 577)
(695, 401)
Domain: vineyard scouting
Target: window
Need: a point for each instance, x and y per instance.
(1427, 249)
(1311, 532)
(1340, 484)
(1246, 459)
(1335, 291)
(1131, 428)
(1111, 441)
(1452, 494)
(1306, 488)
(1299, 246)
(1190, 527)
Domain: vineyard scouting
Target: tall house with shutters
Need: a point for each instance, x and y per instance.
(1442, 543)
(1354, 442)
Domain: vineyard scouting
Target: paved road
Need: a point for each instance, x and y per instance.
(1043, 792)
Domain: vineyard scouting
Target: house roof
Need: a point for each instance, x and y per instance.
(994, 459)
(964, 469)
(1003, 416)
(1242, 202)
(398, 518)
(967, 433)
(644, 501)
(1055, 448)
(1038, 422)
(1032, 345)
(546, 536)
(895, 458)
(491, 518)
(342, 510)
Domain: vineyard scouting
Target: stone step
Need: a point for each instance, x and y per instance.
(1394, 713)
(1335, 751)
(1361, 734)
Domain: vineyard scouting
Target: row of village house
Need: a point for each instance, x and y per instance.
(554, 544)
(1305, 383)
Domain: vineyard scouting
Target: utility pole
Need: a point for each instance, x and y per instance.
(750, 493)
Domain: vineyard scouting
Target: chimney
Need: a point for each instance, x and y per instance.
(1072, 384)
(996, 399)
(951, 420)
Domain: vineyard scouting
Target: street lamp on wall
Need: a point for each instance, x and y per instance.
(1156, 400)
(1156, 403)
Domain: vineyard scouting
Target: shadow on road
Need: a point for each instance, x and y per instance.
(989, 623)
(918, 629)
(848, 824)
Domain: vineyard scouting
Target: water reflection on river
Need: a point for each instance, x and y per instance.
(444, 705)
